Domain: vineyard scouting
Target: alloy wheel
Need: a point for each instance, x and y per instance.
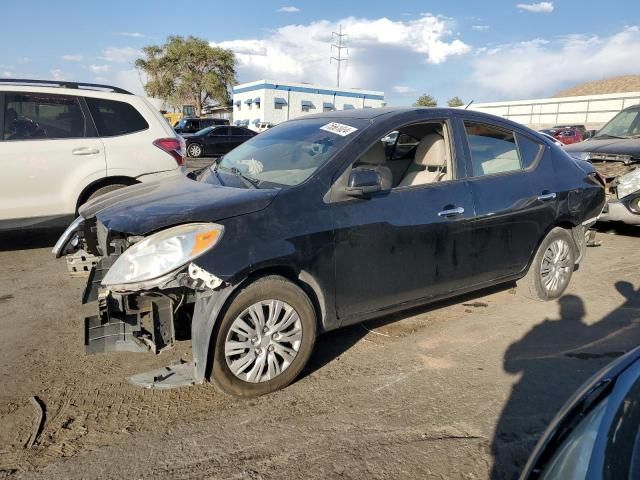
(555, 270)
(263, 341)
(195, 150)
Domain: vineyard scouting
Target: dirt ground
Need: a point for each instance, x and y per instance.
(455, 390)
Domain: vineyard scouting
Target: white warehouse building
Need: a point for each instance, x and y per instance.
(268, 101)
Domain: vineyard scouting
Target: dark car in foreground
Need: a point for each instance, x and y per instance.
(193, 124)
(596, 435)
(216, 141)
(615, 152)
(316, 224)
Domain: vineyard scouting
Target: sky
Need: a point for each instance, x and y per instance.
(478, 50)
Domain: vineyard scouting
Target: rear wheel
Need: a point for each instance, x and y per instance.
(194, 150)
(264, 339)
(552, 267)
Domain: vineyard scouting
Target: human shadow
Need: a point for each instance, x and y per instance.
(553, 359)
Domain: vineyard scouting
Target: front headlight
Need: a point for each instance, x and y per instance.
(163, 252)
(628, 183)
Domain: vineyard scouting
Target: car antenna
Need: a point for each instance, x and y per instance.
(468, 104)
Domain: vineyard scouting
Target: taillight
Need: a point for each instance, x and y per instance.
(173, 146)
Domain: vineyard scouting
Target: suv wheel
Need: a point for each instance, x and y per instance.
(264, 339)
(552, 267)
(194, 150)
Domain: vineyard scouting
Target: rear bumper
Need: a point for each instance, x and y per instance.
(617, 211)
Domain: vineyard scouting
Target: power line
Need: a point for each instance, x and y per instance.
(338, 43)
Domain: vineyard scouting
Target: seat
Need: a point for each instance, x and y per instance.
(429, 163)
(375, 159)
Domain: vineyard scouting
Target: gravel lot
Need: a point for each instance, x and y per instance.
(456, 390)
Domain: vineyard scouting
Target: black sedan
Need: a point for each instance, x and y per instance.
(216, 141)
(596, 435)
(318, 223)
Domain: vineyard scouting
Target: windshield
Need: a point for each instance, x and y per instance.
(290, 153)
(626, 124)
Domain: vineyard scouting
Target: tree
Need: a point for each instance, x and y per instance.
(455, 102)
(425, 100)
(188, 71)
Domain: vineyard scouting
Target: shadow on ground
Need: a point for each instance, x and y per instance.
(28, 239)
(553, 359)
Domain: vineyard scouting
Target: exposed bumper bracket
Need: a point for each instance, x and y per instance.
(173, 376)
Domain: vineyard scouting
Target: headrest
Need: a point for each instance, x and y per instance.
(375, 155)
(431, 151)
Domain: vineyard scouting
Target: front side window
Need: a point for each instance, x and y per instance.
(291, 152)
(30, 116)
(114, 118)
(493, 150)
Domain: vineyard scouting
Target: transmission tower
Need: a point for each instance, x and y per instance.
(338, 42)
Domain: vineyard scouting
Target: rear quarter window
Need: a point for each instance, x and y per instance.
(530, 151)
(113, 118)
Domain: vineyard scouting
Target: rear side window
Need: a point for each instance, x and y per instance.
(493, 150)
(529, 150)
(29, 116)
(114, 118)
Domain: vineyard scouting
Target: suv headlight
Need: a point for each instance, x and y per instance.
(163, 252)
(628, 183)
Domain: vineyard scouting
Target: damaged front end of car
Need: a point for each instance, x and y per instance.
(140, 283)
(621, 174)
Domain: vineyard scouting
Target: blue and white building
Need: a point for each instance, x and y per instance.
(269, 101)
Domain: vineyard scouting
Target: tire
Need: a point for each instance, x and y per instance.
(194, 150)
(106, 189)
(253, 354)
(552, 267)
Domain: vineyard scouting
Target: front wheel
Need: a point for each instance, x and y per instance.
(194, 150)
(264, 339)
(552, 267)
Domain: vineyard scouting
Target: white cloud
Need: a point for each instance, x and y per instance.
(541, 7)
(377, 47)
(480, 28)
(24, 60)
(131, 80)
(73, 57)
(541, 67)
(132, 34)
(403, 89)
(120, 54)
(8, 74)
(57, 74)
(288, 9)
(99, 68)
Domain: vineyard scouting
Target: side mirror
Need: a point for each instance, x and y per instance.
(363, 181)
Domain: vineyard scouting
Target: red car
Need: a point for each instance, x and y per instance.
(568, 134)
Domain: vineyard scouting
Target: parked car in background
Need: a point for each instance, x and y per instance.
(313, 225)
(216, 141)
(565, 135)
(615, 152)
(193, 125)
(551, 138)
(63, 143)
(595, 435)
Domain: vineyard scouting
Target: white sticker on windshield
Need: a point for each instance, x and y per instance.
(338, 129)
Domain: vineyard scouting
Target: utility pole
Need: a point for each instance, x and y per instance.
(338, 43)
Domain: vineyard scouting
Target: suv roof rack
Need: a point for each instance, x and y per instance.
(63, 84)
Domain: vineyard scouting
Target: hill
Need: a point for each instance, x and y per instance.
(625, 83)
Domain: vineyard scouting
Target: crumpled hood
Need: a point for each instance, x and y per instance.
(146, 207)
(627, 146)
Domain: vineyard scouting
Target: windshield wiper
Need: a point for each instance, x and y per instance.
(252, 182)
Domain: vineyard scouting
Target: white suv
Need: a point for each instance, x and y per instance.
(64, 143)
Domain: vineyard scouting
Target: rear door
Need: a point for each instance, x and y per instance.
(218, 141)
(238, 136)
(48, 150)
(513, 192)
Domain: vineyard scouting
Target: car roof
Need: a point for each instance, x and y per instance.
(373, 113)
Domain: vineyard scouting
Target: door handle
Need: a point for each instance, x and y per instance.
(85, 151)
(452, 212)
(547, 196)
